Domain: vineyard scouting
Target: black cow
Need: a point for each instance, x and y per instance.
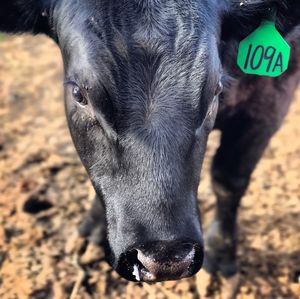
(142, 79)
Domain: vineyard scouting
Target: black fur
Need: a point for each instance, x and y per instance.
(26, 16)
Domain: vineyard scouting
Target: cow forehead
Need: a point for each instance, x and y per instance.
(168, 26)
(138, 20)
(146, 50)
(136, 35)
(144, 21)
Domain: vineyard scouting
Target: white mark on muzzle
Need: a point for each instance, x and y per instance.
(136, 272)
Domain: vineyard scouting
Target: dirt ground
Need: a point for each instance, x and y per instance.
(44, 192)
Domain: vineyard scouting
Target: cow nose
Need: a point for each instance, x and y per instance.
(161, 260)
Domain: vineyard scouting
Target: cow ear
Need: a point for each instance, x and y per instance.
(241, 17)
(20, 16)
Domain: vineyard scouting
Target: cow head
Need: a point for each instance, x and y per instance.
(142, 80)
(141, 86)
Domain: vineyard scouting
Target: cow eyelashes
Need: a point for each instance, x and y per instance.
(77, 93)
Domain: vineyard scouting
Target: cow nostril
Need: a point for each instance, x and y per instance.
(129, 266)
(161, 261)
(197, 261)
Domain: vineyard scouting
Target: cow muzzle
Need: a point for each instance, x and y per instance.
(161, 260)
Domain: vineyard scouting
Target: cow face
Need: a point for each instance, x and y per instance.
(142, 80)
(141, 86)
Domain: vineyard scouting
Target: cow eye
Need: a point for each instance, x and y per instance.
(78, 96)
(219, 88)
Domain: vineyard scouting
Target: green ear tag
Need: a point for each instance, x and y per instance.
(264, 52)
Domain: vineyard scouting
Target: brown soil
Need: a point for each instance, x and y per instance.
(44, 192)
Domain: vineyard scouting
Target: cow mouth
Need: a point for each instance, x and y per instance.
(131, 268)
